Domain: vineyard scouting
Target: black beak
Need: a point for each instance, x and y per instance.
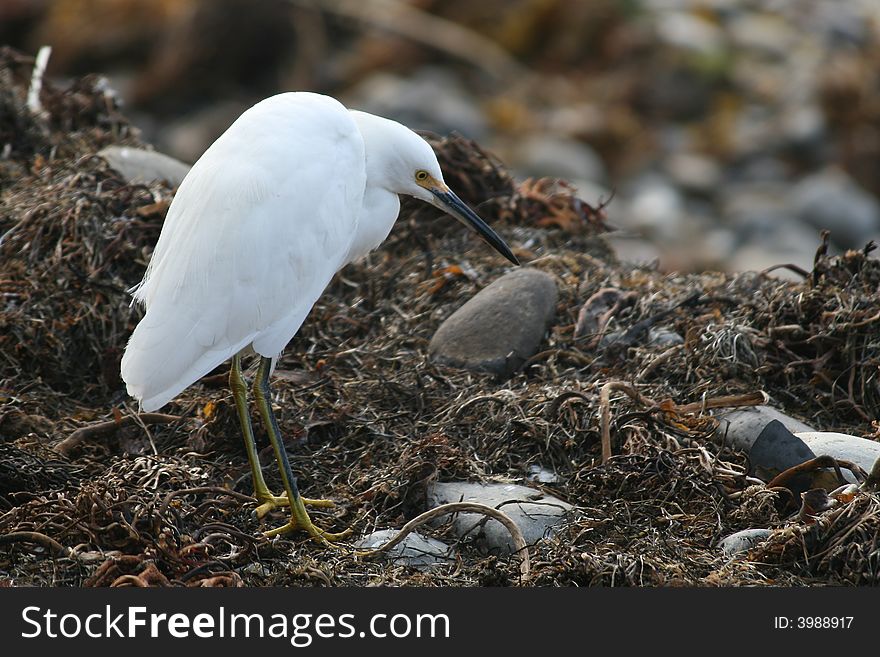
(448, 201)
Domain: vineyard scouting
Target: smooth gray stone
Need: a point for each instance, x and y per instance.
(740, 427)
(687, 30)
(431, 98)
(742, 541)
(860, 451)
(762, 33)
(654, 204)
(500, 327)
(139, 166)
(664, 337)
(558, 157)
(695, 173)
(831, 199)
(543, 475)
(534, 512)
(415, 550)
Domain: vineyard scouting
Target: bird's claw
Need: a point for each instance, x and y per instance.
(318, 534)
(299, 516)
(269, 502)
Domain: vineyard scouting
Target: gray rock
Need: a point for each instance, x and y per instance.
(432, 99)
(695, 173)
(596, 194)
(610, 339)
(831, 199)
(535, 513)
(574, 118)
(415, 550)
(740, 427)
(717, 246)
(760, 168)
(656, 206)
(757, 209)
(678, 93)
(860, 451)
(690, 31)
(664, 337)
(593, 193)
(500, 327)
(753, 131)
(543, 475)
(844, 24)
(777, 449)
(548, 155)
(742, 541)
(803, 127)
(139, 166)
(766, 34)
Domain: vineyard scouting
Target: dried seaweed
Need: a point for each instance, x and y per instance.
(841, 547)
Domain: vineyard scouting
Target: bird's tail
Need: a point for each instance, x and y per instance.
(167, 352)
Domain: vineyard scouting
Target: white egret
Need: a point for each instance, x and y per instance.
(295, 189)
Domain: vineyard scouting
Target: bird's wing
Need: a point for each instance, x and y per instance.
(255, 233)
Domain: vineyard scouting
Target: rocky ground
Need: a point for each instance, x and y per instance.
(606, 418)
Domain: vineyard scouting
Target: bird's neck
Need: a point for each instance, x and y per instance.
(381, 204)
(378, 214)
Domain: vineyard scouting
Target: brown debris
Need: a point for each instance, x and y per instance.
(838, 546)
(596, 312)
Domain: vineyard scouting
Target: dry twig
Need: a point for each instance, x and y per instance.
(67, 445)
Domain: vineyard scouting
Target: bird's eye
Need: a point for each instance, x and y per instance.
(421, 175)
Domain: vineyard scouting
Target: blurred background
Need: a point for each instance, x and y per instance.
(729, 131)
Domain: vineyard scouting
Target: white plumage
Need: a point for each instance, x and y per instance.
(248, 245)
(296, 188)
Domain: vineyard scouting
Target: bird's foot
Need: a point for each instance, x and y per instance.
(299, 517)
(269, 502)
(306, 524)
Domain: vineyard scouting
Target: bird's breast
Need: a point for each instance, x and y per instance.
(377, 216)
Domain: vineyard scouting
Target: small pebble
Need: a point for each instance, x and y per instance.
(137, 165)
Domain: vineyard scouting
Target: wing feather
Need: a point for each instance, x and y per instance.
(255, 233)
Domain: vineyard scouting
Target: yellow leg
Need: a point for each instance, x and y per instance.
(267, 501)
(299, 517)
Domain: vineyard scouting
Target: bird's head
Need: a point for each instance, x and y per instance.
(411, 168)
(433, 190)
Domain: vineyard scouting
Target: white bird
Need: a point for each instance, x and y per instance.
(295, 189)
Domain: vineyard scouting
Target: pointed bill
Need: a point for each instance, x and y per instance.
(448, 201)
